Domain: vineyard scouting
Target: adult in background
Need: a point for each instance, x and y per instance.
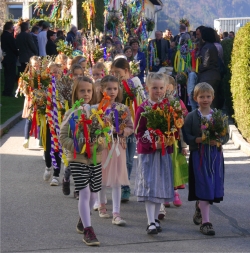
(71, 35)
(34, 33)
(184, 36)
(9, 48)
(59, 36)
(231, 35)
(42, 39)
(51, 46)
(225, 36)
(26, 46)
(209, 68)
(139, 56)
(161, 46)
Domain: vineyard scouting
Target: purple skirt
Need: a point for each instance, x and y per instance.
(206, 174)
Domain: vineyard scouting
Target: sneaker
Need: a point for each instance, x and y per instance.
(47, 174)
(76, 195)
(89, 237)
(117, 220)
(181, 186)
(65, 187)
(26, 143)
(207, 229)
(162, 212)
(167, 204)
(79, 227)
(43, 156)
(158, 226)
(177, 202)
(54, 181)
(152, 230)
(125, 195)
(197, 218)
(96, 205)
(103, 212)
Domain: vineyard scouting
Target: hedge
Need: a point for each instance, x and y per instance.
(227, 46)
(240, 81)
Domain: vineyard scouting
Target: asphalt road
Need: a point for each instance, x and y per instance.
(36, 217)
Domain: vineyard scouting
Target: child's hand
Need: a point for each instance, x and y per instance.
(212, 143)
(184, 151)
(123, 143)
(198, 140)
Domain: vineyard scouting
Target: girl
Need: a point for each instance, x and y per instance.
(69, 62)
(77, 71)
(98, 71)
(35, 66)
(206, 162)
(62, 60)
(154, 176)
(87, 177)
(128, 52)
(55, 69)
(121, 69)
(115, 174)
(81, 61)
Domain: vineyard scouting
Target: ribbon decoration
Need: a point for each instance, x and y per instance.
(85, 122)
(43, 130)
(152, 137)
(73, 132)
(99, 132)
(159, 133)
(97, 114)
(34, 122)
(131, 95)
(193, 60)
(105, 54)
(197, 65)
(177, 59)
(188, 61)
(105, 102)
(116, 116)
(128, 102)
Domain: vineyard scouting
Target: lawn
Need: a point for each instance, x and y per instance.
(9, 105)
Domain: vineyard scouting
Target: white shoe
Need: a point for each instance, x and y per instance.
(162, 212)
(117, 220)
(43, 156)
(47, 174)
(96, 205)
(54, 181)
(38, 143)
(26, 143)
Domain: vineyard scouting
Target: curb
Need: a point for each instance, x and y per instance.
(10, 123)
(238, 140)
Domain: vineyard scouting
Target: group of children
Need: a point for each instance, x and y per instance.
(158, 176)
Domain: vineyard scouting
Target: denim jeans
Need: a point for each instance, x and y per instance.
(27, 127)
(192, 81)
(130, 152)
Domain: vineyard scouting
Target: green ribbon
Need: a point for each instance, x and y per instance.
(98, 132)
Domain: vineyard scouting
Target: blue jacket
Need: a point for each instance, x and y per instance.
(143, 63)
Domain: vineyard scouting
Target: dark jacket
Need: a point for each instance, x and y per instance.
(51, 48)
(70, 38)
(36, 42)
(164, 49)
(26, 46)
(192, 130)
(143, 63)
(8, 45)
(209, 68)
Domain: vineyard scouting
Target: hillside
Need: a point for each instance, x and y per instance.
(202, 12)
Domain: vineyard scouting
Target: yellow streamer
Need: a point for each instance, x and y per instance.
(66, 105)
(43, 131)
(65, 161)
(177, 60)
(129, 104)
(97, 114)
(83, 149)
(197, 64)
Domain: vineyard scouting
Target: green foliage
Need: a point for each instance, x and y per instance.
(227, 54)
(64, 48)
(240, 81)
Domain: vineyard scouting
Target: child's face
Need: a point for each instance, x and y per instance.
(97, 74)
(69, 63)
(77, 73)
(63, 64)
(169, 87)
(112, 90)
(120, 73)
(35, 65)
(84, 65)
(56, 72)
(156, 90)
(128, 53)
(204, 99)
(85, 91)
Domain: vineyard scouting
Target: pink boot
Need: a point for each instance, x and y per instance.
(177, 202)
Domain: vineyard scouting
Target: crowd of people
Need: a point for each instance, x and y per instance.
(70, 99)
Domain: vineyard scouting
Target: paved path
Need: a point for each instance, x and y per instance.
(36, 217)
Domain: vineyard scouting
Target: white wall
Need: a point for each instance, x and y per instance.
(150, 13)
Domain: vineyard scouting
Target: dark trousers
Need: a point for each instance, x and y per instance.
(9, 77)
(48, 160)
(21, 68)
(27, 127)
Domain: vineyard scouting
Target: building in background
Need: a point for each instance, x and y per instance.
(230, 24)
